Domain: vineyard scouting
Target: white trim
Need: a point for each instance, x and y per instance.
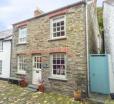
(22, 37)
(18, 66)
(51, 66)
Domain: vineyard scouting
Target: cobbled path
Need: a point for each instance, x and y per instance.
(13, 94)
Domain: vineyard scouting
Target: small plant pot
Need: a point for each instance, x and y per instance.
(41, 87)
(77, 95)
(23, 83)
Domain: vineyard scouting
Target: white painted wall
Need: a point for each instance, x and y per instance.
(108, 16)
(5, 57)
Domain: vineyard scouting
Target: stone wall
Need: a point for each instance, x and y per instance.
(74, 45)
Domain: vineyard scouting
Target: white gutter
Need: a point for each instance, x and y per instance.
(87, 47)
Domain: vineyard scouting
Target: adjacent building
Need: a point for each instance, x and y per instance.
(5, 53)
(55, 46)
(108, 16)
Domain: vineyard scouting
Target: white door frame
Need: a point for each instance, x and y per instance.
(36, 69)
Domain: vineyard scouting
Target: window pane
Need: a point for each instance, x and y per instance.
(62, 33)
(58, 33)
(62, 22)
(62, 61)
(58, 61)
(54, 67)
(54, 29)
(58, 28)
(58, 24)
(54, 61)
(54, 71)
(62, 28)
(58, 66)
(54, 34)
(54, 24)
(58, 71)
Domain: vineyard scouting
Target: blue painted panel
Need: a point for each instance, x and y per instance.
(99, 75)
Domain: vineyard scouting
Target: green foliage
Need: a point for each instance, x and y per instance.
(100, 19)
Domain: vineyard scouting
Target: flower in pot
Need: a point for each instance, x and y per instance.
(77, 95)
(23, 81)
(41, 87)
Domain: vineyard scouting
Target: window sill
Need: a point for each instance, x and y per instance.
(55, 78)
(21, 73)
(21, 43)
(61, 38)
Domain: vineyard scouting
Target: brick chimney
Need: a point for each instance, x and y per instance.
(37, 12)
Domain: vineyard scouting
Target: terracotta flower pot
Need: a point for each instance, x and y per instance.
(77, 95)
(41, 87)
(23, 83)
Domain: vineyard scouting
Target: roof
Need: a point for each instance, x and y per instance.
(111, 2)
(6, 35)
(44, 14)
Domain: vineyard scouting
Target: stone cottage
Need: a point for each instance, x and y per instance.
(54, 47)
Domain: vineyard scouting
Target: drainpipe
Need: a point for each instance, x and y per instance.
(87, 47)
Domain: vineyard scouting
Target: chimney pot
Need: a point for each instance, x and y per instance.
(37, 12)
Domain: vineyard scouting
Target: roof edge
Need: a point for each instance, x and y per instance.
(108, 2)
(68, 6)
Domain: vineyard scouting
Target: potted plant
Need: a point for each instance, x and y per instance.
(23, 81)
(41, 87)
(77, 95)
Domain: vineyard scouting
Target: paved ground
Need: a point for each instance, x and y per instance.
(12, 94)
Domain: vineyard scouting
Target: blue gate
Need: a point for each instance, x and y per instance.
(99, 74)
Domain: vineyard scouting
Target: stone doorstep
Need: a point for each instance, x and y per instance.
(97, 98)
(32, 87)
(95, 101)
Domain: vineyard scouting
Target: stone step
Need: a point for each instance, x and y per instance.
(32, 87)
(95, 101)
(33, 90)
(97, 98)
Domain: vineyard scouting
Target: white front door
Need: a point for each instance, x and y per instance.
(36, 72)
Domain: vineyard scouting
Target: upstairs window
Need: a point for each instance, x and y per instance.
(1, 45)
(23, 35)
(58, 27)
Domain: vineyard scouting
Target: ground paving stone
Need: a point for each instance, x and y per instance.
(13, 94)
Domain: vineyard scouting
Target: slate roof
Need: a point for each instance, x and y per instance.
(6, 35)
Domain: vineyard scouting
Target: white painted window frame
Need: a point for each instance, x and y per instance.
(22, 63)
(22, 36)
(57, 19)
(51, 66)
(37, 62)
